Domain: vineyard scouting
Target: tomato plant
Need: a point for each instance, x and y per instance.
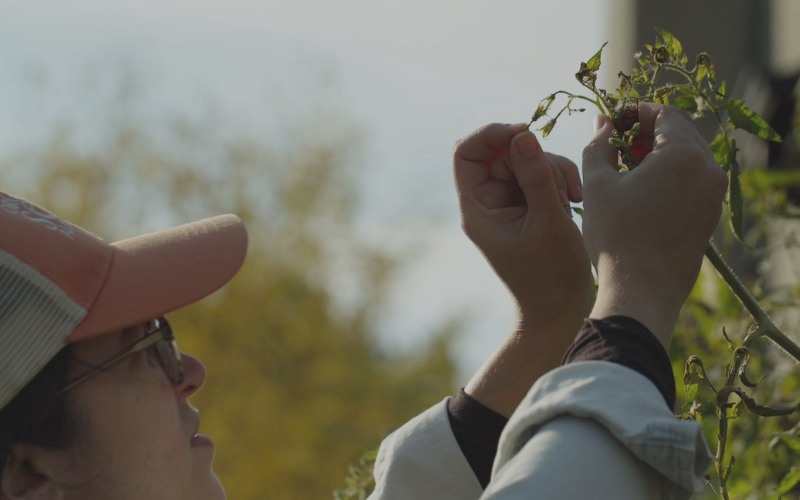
(698, 94)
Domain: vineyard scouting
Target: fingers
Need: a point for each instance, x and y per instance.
(658, 121)
(535, 175)
(600, 157)
(569, 172)
(473, 154)
(565, 173)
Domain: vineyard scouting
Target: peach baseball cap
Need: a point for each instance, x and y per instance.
(61, 284)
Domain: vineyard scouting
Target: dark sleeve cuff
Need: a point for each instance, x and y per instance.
(477, 430)
(627, 342)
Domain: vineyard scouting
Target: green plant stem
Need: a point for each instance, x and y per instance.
(702, 94)
(653, 82)
(765, 325)
(719, 457)
(596, 102)
(599, 102)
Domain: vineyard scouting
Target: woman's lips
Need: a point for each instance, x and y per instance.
(200, 440)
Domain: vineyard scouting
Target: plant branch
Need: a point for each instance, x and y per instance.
(765, 325)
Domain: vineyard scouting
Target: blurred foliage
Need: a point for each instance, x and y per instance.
(298, 386)
(712, 312)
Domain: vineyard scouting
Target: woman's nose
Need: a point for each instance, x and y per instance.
(194, 375)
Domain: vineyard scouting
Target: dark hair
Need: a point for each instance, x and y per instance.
(38, 414)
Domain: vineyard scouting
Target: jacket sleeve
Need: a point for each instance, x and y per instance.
(422, 460)
(596, 429)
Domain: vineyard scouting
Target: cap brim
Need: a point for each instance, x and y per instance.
(157, 273)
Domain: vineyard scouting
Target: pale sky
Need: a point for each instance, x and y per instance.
(413, 75)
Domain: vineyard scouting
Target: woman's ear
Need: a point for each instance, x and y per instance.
(25, 476)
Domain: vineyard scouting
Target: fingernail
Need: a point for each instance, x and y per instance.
(563, 197)
(527, 144)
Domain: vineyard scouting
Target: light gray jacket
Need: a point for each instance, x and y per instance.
(590, 429)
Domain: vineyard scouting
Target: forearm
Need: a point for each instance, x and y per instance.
(525, 354)
(638, 296)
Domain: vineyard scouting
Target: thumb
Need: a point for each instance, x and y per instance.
(600, 157)
(534, 174)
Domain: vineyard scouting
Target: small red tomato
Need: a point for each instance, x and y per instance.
(626, 120)
(641, 147)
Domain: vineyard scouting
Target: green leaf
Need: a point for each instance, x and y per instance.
(577, 210)
(735, 205)
(593, 64)
(705, 68)
(750, 403)
(789, 481)
(672, 44)
(758, 181)
(746, 119)
(691, 377)
(544, 107)
(691, 391)
(724, 150)
(685, 102)
(793, 442)
(702, 71)
(737, 410)
(721, 92)
(548, 127)
(643, 59)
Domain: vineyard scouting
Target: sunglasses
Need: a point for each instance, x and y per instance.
(160, 342)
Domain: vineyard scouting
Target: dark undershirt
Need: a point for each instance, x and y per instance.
(617, 339)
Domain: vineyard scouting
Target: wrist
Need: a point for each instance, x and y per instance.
(641, 299)
(552, 318)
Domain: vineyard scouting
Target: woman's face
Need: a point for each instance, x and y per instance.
(138, 437)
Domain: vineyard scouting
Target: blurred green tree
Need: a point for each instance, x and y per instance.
(298, 386)
(762, 457)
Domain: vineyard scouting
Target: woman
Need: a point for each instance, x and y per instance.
(93, 390)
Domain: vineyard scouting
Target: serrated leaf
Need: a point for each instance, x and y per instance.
(789, 481)
(724, 150)
(793, 442)
(685, 102)
(735, 204)
(746, 119)
(593, 64)
(672, 44)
